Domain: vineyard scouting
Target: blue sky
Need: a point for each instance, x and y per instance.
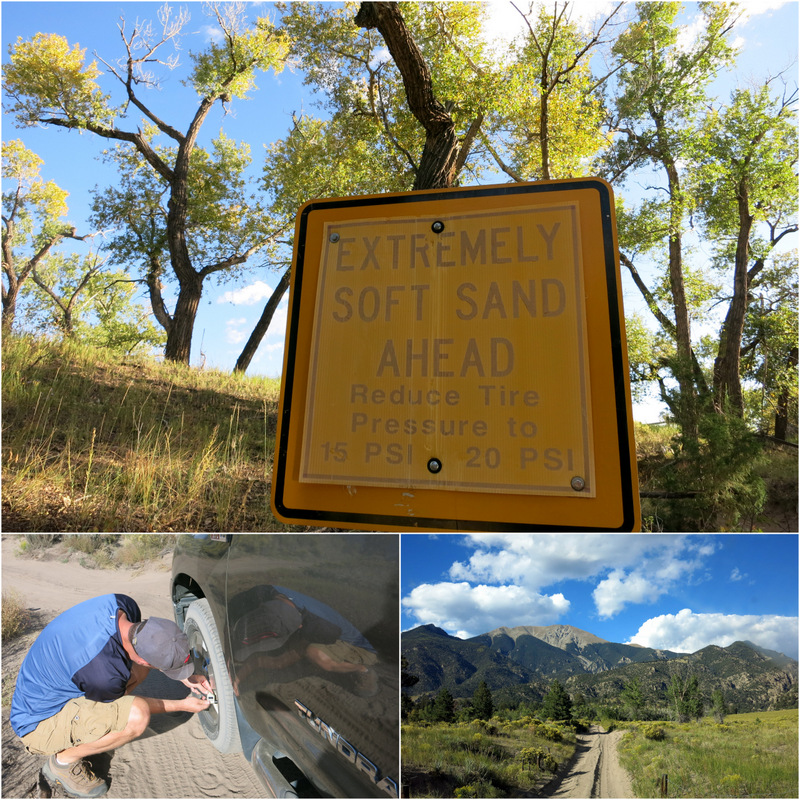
(677, 592)
(228, 312)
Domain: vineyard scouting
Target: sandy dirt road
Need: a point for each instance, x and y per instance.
(173, 758)
(596, 771)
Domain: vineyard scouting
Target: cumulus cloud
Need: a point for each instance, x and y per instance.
(631, 568)
(687, 632)
(472, 610)
(234, 334)
(618, 589)
(248, 295)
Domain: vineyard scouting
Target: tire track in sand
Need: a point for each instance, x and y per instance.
(596, 771)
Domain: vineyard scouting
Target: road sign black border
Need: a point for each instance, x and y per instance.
(340, 518)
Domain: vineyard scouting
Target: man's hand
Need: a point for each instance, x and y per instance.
(193, 704)
(198, 683)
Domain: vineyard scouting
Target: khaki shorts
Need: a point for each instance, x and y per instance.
(80, 721)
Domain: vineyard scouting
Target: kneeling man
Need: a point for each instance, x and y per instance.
(73, 693)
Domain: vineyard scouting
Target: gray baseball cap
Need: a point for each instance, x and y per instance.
(163, 645)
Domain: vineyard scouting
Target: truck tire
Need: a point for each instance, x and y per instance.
(219, 719)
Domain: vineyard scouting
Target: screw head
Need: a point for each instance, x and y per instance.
(437, 226)
(434, 466)
(577, 483)
(334, 237)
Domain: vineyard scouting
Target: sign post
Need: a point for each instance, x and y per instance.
(455, 359)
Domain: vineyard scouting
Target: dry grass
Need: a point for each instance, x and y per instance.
(749, 755)
(92, 444)
(15, 617)
(483, 759)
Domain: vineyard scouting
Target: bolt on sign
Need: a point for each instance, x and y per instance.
(456, 359)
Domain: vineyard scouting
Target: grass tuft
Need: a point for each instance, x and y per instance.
(15, 617)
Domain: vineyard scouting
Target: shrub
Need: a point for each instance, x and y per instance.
(541, 758)
(38, 542)
(90, 543)
(15, 618)
(140, 547)
(654, 732)
(551, 733)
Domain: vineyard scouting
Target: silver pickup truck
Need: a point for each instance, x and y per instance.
(299, 637)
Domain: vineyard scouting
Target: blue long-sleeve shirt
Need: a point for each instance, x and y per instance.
(78, 654)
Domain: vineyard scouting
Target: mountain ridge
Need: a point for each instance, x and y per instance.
(521, 662)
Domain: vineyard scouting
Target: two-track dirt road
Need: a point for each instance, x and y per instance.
(596, 771)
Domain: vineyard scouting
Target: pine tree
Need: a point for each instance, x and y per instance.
(482, 705)
(718, 705)
(443, 707)
(557, 704)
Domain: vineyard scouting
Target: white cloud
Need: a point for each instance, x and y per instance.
(629, 568)
(504, 579)
(472, 610)
(233, 332)
(212, 33)
(618, 589)
(248, 295)
(736, 575)
(634, 568)
(687, 632)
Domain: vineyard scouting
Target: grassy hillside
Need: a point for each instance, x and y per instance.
(93, 443)
(749, 755)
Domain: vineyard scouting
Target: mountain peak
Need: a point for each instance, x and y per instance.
(561, 636)
(431, 629)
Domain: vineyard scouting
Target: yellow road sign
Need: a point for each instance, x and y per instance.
(456, 359)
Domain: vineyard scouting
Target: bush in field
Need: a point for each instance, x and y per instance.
(38, 542)
(15, 617)
(551, 732)
(654, 732)
(479, 789)
(481, 759)
(540, 758)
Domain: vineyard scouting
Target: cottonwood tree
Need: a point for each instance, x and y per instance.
(33, 224)
(317, 158)
(684, 697)
(746, 188)
(372, 141)
(49, 83)
(63, 280)
(417, 110)
(633, 698)
(660, 94)
(769, 350)
(547, 119)
(78, 297)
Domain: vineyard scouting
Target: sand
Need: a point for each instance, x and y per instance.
(173, 758)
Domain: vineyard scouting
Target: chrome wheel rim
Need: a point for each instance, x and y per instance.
(203, 666)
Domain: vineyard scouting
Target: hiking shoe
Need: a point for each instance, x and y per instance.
(77, 779)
